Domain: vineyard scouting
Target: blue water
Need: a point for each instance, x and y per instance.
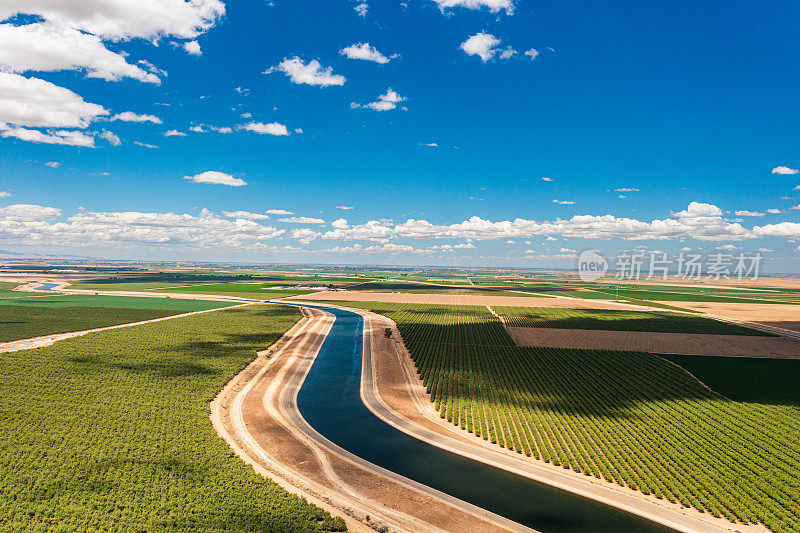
(47, 286)
(330, 401)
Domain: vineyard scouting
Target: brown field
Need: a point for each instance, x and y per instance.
(668, 343)
(780, 315)
(463, 299)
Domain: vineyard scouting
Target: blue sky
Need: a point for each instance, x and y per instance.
(694, 106)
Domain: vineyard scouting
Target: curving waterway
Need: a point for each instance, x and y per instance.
(330, 401)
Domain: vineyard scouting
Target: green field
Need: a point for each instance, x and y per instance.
(110, 432)
(627, 417)
(424, 288)
(258, 291)
(662, 321)
(123, 302)
(747, 379)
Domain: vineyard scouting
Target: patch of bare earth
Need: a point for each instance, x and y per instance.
(771, 314)
(657, 342)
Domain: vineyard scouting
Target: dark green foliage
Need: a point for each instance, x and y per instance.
(110, 432)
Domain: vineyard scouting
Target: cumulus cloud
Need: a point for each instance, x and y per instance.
(216, 178)
(340, 224)
(366, 52)
(4, 194)
(311, 73)
(193, 48)
(785, 170)
(301, 220)
(304, 235)
(361, 8)
(27, 213)
(46, 47)
(123, 19)
(483, 45)
(344, 207)
(273, 128)
(774, 211)
(626, 189)
(37, 103)
(749, 214)
(430, 145)
(110, 137)
(494, 6)
(246, 215)
(173, 133)
(563, 202)
(532, 53)
(129, 116)
(52, 164)
(385, 102)
(63, 137)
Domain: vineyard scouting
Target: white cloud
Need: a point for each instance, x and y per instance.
(47, 47)
(622, 196)
(246, 215)
(110, 137)
(727, 247)
(774, 211)
(765, 250)
(563, 202)
(385, 102)
(493, 5)
(298, 130)
(193, 48)
(532, 53)
(311, 73)
(4, 194)
(173, 133)
(124, 19)
(129, 116)
(301, 220)
(626, 189)
(37, 103)
(63, 137)
(279, 212)
(145, 145)
(340, 224)
(430, 145)
(507, 53)
(27, 213)
(483, 45)
(364, 51)
(547, 179)
(361, 8)
(304, 235)
(52, 164)
(273, 128)
(784, 170)
(795, 206)
(345, 207)
(216, 178)
(749, 214)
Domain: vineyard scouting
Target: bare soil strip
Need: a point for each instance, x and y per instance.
(394, 392)
(656, 342)
(257, 414)
(465, 299)
(785, 316)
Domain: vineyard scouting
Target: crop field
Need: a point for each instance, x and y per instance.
(660, 321)
(425, 288)
(111, 432)
(261, 291)
(121, 302)
(630, 418)
(746, 379)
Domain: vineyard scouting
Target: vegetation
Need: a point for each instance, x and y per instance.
(431, 288)
(111, 432)
(258, 291)
(627, 417)
(120, 302)
(663, 321)
(747, 379)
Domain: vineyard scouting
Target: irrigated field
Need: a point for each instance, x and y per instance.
(23, 318)
(111, 432)
(631, 418)
(258, 291)
(662, 321)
